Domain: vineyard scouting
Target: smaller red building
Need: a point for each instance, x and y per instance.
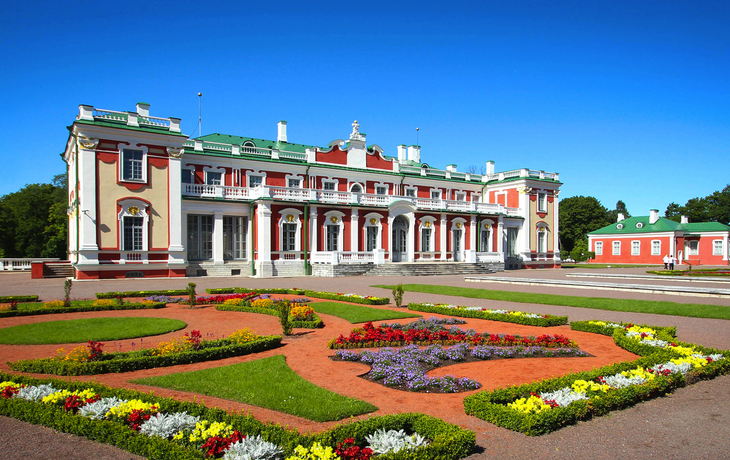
(648, 239)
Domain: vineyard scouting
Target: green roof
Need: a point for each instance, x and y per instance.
(640, 224)
(261, 143)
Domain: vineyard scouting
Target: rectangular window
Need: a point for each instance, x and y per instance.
(200, 237)
(132, 233)
(542, 202)
(213, 178)
(693, 248)
(371, 238)
(132, 163)
(288, 237)
(717, 248)
(599, 248)
(381, 190)
(255, 181)
(328, 185)
(635, 248)
(411, 192)
(426, 240)
(486, 240)
(234, 237)
(617, 248)
(333, 233)
(294, 183)
(436, 195)
(542, 241)
(656, 247)
(460, 196)
(512, 241)
(187, 176)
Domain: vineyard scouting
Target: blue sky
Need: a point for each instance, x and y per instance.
(626, 100)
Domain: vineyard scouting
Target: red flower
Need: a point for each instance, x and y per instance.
(217, 445)
(347, 450)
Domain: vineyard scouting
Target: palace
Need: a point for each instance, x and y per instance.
(145, 200)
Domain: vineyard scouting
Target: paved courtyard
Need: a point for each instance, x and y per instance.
(691, 423)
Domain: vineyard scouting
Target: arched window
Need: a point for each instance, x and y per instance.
(372, 231)
(133, 224)
(485, 236)
(290, 228)
(333, 229)
(428, 224)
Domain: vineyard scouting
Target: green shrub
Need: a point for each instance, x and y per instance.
(72, 309)
(114, 295)
(316, 323)
(18, 298)
(346, 298)
(541, 322)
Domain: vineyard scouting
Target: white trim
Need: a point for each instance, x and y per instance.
(651, 250)
(335, 182)
(635, 243)
(435, 189)
(352, 184)
(432, 227)
(378, 224)
(613, 248)
(285, 219)
(597, 244)
(461, 228)
(406, 188)
(329, 217)
(722, 247)
(141, 206)
(381, 184)
(542, 201)
(145, 165)
(255, 172)
(298, 177)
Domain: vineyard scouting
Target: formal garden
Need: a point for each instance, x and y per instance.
(320, 359)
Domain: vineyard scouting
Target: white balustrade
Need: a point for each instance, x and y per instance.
(154, 121)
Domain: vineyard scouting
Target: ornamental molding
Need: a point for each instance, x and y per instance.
(524, 190)
(356, 136)
(175, 152)
(86, 143)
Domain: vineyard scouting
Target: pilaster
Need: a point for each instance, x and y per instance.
(443, 231)
(218, 238)
(354, 229)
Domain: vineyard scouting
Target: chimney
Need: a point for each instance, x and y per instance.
(143, 109)
(402, 153)
(490, 167)
(414, 153)
(653, 216)
(451, 168)
(282, 131)
(685, 220)
(620, 217)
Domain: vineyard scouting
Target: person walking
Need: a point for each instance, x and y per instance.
(671, 262)
(666, 261)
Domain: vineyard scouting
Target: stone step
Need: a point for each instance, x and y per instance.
(58, 270)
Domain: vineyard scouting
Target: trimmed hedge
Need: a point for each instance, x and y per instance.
(344, 298)
(131, 363)
(492, 405)
(240, 290)
(114, 295)
(18, 298)
(72, 309)
(314, 324)
(460, 312)
(447, 441)
(585, 326)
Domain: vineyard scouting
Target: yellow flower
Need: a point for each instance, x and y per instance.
(316, 452)
(262, 303)
(531, 405)
(104, 303)
(122, 410)
(582, 386)
(243, 335)
(205, 429)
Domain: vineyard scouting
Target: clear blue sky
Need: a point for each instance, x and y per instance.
(626, 100)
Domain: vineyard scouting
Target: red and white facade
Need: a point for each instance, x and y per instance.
(145, 200)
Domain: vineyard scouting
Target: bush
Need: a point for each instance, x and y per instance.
(398, 295)
(114, 294)
(483, 314)
(354, 298)
(59, 308)
(18, 298)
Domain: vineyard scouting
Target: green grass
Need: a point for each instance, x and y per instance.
(82, 330)
(629, 305)
(268, 383)
(358, 314)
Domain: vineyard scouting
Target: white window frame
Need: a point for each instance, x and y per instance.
(433, 191)
(208, 177)
(635, 247)
(122, 163)
(486, 225)
(356, 184)
(598, 248)
(381, 184)
(296, 177)
(616, 248)
(199, 238)
(372, 219)
(656, 247)
(717, 250)
(190, 173)
(431, 226)
(459, 196)
(256, 173)
(541, 237)
(455, 227)
(242, 246)
(290, 216)
(541, 202)
(690, 251)
(334, 218)
(332, 182)
(134, 208)
(412, 189)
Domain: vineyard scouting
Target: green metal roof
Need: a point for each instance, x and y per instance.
(261, 143)
(123, 125)
(640, 224)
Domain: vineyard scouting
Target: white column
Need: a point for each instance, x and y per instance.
(500, 238)
(411, 236)
(724, 247)
(313, 227)
(263, 231)
(354, 230)
(556, 228)
(175, 224)
(443, 232)
(527, 226)
(218, 238)
(87, 206)
(390, 238)
(473, 234)
(673, 245)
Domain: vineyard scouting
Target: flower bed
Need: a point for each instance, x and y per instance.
(52, 308)
(163, 428)
(607, 327)
(251, 303)
(354, 298)
(406, 368)
(507, 316)
(241, 290)
(114, 295)
(386, 335)
(546, 406)
(183, 350)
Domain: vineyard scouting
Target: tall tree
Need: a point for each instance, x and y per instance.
(578, 216)
(612, 216)
(712, 208)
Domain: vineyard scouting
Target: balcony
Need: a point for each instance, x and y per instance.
(223, 192)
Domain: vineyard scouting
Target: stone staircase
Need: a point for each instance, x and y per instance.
(58, 270)
(433, 269)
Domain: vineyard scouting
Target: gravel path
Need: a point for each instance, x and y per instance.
(692, 422)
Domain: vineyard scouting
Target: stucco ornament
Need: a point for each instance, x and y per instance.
(524, 190)
(333, 219)
(86, 143)
(175, 152)
(290, 218)
(372, 221)
(133, 210)
(458, 225)
(356, 131)
(427, 224)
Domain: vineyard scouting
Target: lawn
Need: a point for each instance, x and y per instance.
(268, 383)
(358, 314)
(82, 330)
(628, 305)
(592, 265)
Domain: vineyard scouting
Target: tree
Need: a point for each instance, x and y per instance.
(580, 251)
(474, 169)
(612, 216)
(712, 208)
(578, 216)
